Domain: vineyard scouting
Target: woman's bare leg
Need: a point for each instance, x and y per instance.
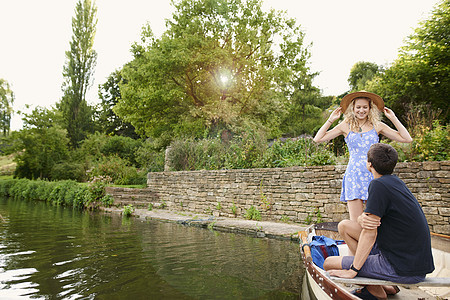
(355, 209)
(350, 231)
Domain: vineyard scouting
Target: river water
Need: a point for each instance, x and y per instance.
(50, 252)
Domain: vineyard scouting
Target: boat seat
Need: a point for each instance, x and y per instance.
(429, 281)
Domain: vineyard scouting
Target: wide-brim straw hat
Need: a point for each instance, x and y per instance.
(377, 100)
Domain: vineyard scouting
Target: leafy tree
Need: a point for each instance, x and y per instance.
(6, 102)
(109, 94)
(43, 144)
(222, 64)
(361, 73)
(78, 70)
(421, 74)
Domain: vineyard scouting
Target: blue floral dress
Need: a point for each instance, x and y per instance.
(357, 178)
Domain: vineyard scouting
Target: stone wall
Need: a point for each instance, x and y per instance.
(300, 194)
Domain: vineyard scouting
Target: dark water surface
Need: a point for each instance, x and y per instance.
(49, 252)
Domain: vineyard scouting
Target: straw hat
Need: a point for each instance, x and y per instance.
(377, 100)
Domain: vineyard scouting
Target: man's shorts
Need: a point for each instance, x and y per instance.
(377, 266)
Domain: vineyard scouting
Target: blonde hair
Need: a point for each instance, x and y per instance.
(374, 115)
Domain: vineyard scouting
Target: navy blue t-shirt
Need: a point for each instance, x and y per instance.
(403, 236)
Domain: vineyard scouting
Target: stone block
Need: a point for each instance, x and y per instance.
(301, 196)
(302, 216)
(424, 174)
(298, 185)
(444, 211)
(430, 210)
(406, 175)
(322, 196)
(431, 165)
(445, 181)
(428, 196)
(442, 174)
(442, 229)
(335, 208)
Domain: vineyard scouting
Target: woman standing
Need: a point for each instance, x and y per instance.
(360, 127)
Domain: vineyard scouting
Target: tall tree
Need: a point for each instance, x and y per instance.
(221, 64)
(78, 70)
(421, 73)
(6, 110)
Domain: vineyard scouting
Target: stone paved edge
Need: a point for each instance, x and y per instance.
(261, 229)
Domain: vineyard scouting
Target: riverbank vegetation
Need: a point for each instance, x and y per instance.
(230, 89)
(66, 193)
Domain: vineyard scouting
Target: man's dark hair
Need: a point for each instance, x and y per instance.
(383, 158)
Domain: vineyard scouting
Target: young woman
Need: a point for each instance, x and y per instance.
(360, 127)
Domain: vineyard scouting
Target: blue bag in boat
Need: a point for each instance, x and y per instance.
(322, 247)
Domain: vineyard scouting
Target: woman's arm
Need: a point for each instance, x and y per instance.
(400, 135)
(324, 134)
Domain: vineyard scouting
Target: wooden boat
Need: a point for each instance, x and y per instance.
(323, 286)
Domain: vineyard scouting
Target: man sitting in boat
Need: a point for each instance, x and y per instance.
(391, 239)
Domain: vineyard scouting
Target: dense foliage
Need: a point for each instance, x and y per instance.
(247, 151)
(429, 143)
(68, 193)
(421, 73)
(220, 65)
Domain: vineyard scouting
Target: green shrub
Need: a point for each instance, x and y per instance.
(63, 192)
(121, 146)
(18, 187)
(182, 155)
(191, 154)
(90, 148)
(118, 170)
(234, 209)
(68, 171)
(31, 190)
(150, 158)
(253, 214)
(300, 152)
(429, 144)
(128, 210)
(245, 151)
(5, 187)
(82, 197)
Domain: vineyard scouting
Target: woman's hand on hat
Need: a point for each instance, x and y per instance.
(335, 115)
(389, 113)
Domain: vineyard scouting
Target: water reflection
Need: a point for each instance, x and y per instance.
(56, 252)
